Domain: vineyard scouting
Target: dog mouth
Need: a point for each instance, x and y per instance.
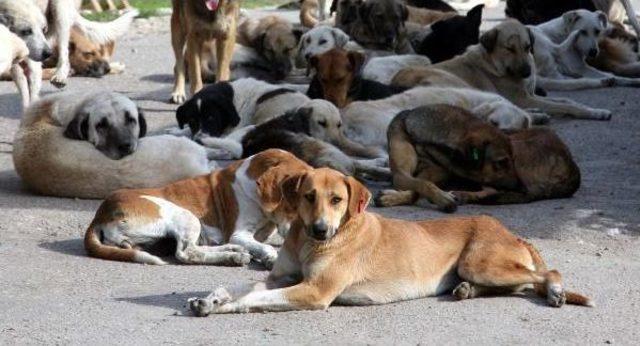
(212, 5)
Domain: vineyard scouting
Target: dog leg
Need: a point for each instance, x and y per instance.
(228, 145)
(20, 79)
(575, 84)
(263, 253)
(111, 6)
(96, 6)
(62, 22)
(178, 40)
(193, 63)
(34, 79)
(573, 109)
(392, 198)
(224, 50)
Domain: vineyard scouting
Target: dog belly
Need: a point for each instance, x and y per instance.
(372, 293)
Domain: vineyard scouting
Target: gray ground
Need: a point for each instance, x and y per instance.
(51, 293)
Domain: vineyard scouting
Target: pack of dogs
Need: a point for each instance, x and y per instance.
(410, 94)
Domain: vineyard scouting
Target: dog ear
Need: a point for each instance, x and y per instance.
(142, 123)
(356, 59)
(602, 17)
(359, 196)
(532, 39)
(268, 188)
(78, 128)
(474, 16)
(489, 39)
(290, 188)
(570, 18)
(340, 37)
(6, 20)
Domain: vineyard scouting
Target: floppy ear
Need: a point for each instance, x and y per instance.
(305, 112)
(489, 39)
(290, 188)
(142, 123)
(356, 59)
(359, 196)
(78, 128)
(570, 18)
(532, 39)
(268, 188)
(340, 37)
(602, 17)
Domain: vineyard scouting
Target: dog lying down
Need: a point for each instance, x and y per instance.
(436, 147)
(88, 145)
(337, 252)
(214, 218)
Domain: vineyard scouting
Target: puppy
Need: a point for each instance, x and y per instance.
(366, 122)
(450, 37)
(440, 146)
(274, 38)
(338, 79)
(12, 49)
(228, 206)
(337, 252)
(51, 164)
(307, 134)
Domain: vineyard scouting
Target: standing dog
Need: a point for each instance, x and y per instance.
(501, 63)
(339, 253)
(228, 206)
(194, 22)
(436, 147)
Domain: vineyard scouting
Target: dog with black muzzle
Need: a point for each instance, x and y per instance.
(502, 63)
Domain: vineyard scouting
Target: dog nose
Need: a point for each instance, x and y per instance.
(46, 54)
(525, 71)
(320, 230)
(125, 148)
(593, 52)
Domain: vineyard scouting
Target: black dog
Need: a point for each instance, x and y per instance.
(534, 12)
(451, 37)
(211, 110)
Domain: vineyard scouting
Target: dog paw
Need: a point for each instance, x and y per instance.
(462, 291)
(446, 202)
(201, 307)
(602, 114)
(608, 82)
(556, 296)
(59, 81)
(241, 258)
(178, 97)
(540, 118)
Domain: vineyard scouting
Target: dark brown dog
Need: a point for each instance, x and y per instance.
(338, 79)
(445, 147)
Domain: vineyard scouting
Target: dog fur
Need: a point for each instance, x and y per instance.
(51, 164)
(12, 49)
(618, 52)
(193, 24)
(444, 147)
(214, 218)
(338, 79)
(337, 252)
(502, 63)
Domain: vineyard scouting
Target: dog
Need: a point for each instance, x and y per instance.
(366, 122)
(337, 252)
(438, 5)
(308, 134)
(618, 52)
(314, 13)
(563, 66)
(274, 38)
(193, 22)
(50, 163)
(27, 20)
(338, 80)
(450, 37)
(423, 16)
(228, 206)
(502, 63)
(13, 50)
(537, 11)
(382, 69)
(442, 147)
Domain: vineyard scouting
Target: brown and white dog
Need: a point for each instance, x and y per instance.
(338, 252)
(229, 206)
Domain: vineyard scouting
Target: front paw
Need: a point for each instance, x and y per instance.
(602, 114)
(178, 97)
(59, 80)
(201, 307)
(241, 258)
(446, 202)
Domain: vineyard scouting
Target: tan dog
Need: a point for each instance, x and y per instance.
(228, 206)
(194, 22)
(425, 16)
(274, 38)
(618, 52)
(437, 147)
(501, 63)
(338, 252)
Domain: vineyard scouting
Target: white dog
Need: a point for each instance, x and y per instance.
(52, 164)
(366, 122)
(561, 47)
(26, 19)
(12, 49)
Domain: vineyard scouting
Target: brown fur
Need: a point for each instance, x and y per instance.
(336, 71)
(618, 52)
(425, 16)
(309, 13)
(191, 26)
(437, 147)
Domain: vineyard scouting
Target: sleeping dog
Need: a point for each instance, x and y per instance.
(441, 146)
(338, 79)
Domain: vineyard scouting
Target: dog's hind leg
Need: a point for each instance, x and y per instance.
(20, 79)
(263, 253)
(34, 79)
(573, 108)
(574, 84)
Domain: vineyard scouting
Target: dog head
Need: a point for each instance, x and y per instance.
(336, 71)
(278, 46)
(88, 58)
(324, 120)
(210, 111)
(509, 47)
(346, 11)
(589, 25)
(27, 21)
(450, 37)
(109, 121)
(320, 40)
(325, 200)
(384, 19)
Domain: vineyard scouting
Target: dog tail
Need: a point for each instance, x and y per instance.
(541, 289)
(307, 17)
(95, 248)
(102, 33)
(372, 172)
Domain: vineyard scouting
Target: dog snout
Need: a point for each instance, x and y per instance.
(46, 53)
(98, 69)
(320, 230)
(593, 52)
(525, 71)
(125, 148)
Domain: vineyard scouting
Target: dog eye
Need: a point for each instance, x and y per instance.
(322, 123)
(102, 125)
(26, 32)
(311, 197)
(583, 32)
(336, 200)
(322, 41)
(339, 125)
